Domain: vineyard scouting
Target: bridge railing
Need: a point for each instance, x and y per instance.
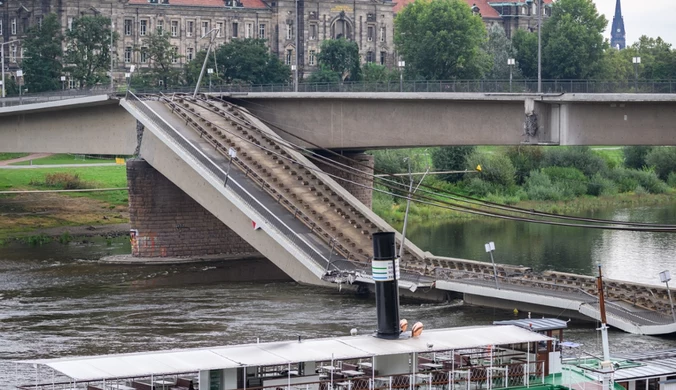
(467, 86)
(44, 97)
(268, 217)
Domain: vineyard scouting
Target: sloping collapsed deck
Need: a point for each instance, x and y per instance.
(318, 233)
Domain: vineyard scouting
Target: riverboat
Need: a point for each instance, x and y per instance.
(516, 354)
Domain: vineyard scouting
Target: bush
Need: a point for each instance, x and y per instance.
(601, 186)
(628, 179)
(634, 156)
(452, 158)
(580, 157)
(496, 168)
(540, 187)
(671, 180)
(66, 181)
(480, 188)
(663, 159)
(571, 180)
(525, 159)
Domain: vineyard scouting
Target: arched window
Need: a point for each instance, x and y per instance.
(341, 28)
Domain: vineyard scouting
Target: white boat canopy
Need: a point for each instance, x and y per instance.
(144, 364)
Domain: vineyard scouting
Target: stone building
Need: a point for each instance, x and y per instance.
(367, 22)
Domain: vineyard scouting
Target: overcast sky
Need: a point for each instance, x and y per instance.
(654, 18)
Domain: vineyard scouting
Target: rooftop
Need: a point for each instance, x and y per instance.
(201, 3)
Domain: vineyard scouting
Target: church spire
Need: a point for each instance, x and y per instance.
(617, 35)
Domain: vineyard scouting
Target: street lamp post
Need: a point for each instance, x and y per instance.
(63, 83)
(19, 75)
(510, 62)
(637, 62)
(210, 71)
(294, 69)
(490, 247)
(232, 153)
(2, 63)
(665, 277)
(212, 37)
(411, 191)
(539, 46)
(401, 64)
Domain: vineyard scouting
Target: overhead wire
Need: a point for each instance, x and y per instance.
(445, 205)
(452, 195)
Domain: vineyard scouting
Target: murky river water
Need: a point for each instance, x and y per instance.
(55, 301)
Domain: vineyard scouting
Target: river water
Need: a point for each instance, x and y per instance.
(56, 301)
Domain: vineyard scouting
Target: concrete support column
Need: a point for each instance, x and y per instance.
(357, 184)
(166, 222)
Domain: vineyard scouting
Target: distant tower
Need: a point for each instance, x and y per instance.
(617, 33)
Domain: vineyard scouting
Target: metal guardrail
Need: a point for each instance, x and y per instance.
(467, 86)
(270, 218)
(45, 97)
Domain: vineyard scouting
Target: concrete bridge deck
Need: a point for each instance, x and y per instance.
(311, 224)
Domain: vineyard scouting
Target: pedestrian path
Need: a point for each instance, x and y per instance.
(33, 156)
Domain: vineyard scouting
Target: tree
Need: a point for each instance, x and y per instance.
(242, 61)
(342, 57)
(451, 158)
(634, 156)
(324, 75)
(658, 60)
(88, 49)
(161, 55)
(373, 73)
(42, 65)
(572, 40)
(499, 49)
(663, 159)
(441, 40)
(526, 52)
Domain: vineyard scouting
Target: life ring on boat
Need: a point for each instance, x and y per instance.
(417, 329)
(403, 325)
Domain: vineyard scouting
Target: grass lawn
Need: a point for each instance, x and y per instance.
(57, 159)
(94, 177)
(11, 156)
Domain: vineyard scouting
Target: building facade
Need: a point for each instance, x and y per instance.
(370, 23)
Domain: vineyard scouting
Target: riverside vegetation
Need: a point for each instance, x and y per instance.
(560, 180)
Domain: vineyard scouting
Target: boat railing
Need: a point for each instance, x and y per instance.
(449, 377)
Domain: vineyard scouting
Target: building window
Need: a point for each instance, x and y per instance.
(39, 21)
(189, 53)
(127, 54)
(174, 55)
(13, 26)
(235, 29)
(369, 34)
(0, 26)
(127, 27)
(71, 84)
(383, 57)
(190, 28)
(311, 58)
(160, 27)
(220, 31)
(249, 31)
(369, 57)
(174, 28)
(289, 31)
(261, 31)
(144, 28)
(12, 54)
(313, 32)
(382, 34)
(289, 57)
(144, 55)
(205, 28)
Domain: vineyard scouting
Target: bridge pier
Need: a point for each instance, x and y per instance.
(359, 185)
(167, 222)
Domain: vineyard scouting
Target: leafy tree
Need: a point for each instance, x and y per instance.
(526, 52)
(88, 49)
(43, 46)
(242, 61)
(634, 156)
(525, 159)
(499, 49)
(573, 40)
(496, 168)
(374, 73)
(616, 64)
(324, 75)
(441, 39)
(451, 158)
(658, 60)
(663, 159)
(342, 57)
(161, 55)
